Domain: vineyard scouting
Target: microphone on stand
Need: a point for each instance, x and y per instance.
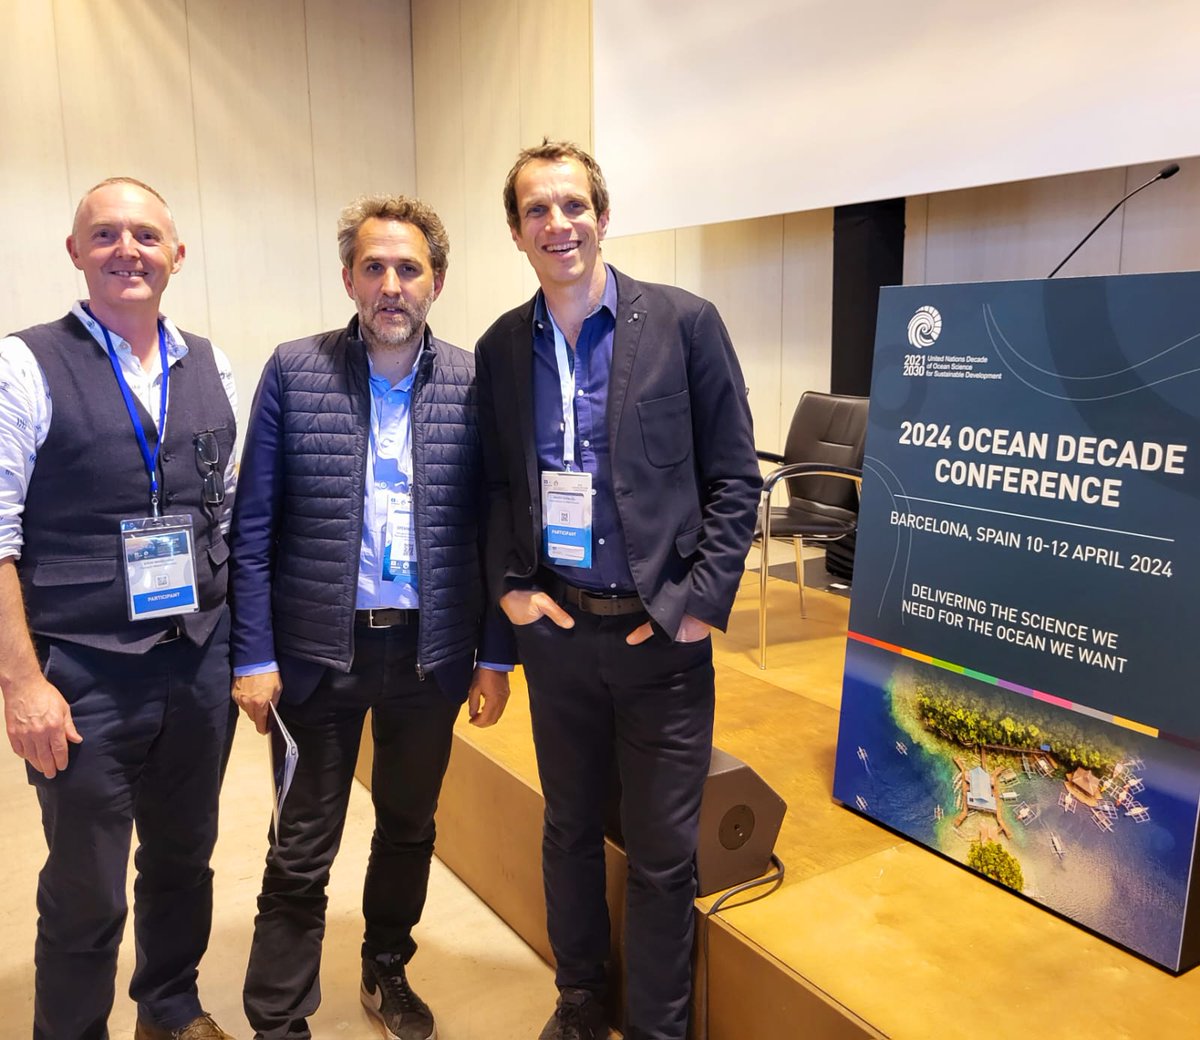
(1167, 171)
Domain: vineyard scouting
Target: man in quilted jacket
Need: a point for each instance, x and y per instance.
(357, 585)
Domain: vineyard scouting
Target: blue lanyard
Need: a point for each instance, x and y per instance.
(150, 458)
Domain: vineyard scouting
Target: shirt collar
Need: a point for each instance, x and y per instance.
(176, 347)
(608, 301)
(380, 385)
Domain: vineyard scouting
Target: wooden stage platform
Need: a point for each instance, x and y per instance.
(869, 935)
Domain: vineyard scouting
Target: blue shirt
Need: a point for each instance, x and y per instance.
(592, 362)
(389, 466)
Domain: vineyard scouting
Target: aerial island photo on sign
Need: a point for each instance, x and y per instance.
(1020, 683)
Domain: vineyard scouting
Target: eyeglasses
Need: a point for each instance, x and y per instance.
(208, 455)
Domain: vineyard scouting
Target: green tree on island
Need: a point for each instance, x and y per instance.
(992, 860)
(968, 721)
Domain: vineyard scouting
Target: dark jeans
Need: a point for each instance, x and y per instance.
(597, 703)
(156, 733)
(412, 723)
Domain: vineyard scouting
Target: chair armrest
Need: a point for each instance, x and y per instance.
(770, 456)
(810, 469)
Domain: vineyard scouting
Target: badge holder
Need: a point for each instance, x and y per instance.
(399, 540)
(160, 567)
(567, 518)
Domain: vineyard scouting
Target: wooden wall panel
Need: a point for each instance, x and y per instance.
(491, 76)
(255, 171)
(127, 110)
(440, 156)
(1161, 227)
(739, 267)
(361, 102)
(555, 71)
(1023, 230)
(555, 83)
(650, 257)
(38, 282)
(492, 129)
(807, 337)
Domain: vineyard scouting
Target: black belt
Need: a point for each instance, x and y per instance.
(597, 603)
(385, 617)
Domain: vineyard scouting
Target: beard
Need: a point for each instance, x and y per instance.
(394, 329)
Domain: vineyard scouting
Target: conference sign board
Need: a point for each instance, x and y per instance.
(1021, 667)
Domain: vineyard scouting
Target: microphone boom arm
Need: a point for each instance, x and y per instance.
(1167, 171)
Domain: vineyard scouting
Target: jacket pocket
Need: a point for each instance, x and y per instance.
(687, 542)
(85, 571)
(666, 429)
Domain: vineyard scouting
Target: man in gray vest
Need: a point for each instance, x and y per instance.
(116, 435)
(357, 584)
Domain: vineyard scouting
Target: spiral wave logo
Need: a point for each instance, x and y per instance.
(924, 327)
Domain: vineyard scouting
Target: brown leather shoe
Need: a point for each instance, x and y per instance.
(202, 1028)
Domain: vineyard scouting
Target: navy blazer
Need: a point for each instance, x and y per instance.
(685, 477)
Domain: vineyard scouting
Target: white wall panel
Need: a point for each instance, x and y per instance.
(710, 111)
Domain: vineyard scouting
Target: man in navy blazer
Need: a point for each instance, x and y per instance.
(623, 485)
(357, 580)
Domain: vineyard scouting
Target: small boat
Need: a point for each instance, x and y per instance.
(862, 753)
(1056, 845)
(861, 802)
(937, 812)
(902, 747)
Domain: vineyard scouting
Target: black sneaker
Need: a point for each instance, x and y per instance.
(390, 1000)
(579, 1016)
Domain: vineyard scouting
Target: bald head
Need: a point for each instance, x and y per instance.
(134, 182)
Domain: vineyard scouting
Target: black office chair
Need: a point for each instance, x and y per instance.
(822, 464)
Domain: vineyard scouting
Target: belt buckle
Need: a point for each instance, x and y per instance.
(371, 619)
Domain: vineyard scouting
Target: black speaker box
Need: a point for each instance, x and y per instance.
(740, 817)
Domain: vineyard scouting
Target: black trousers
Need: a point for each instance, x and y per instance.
(412, 723)
(156, 730)
(647, 711)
